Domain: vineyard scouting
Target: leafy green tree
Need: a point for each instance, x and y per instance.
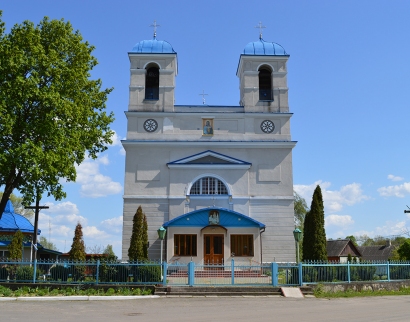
(145, 237)
(77, 251)
(364, 240)
(314, 237)
(16, 246)
(300, 210)
(110, 253)
(19, 207)
(52, 114)
(138, 243)
(404, 250)
(47, 244)
(353, 240)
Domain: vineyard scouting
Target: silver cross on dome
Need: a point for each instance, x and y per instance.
(155, 28)
(260, 29)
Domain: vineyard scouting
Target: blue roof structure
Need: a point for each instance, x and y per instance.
(11, 222)
(200, 218)
(153, 46)
(262, 48)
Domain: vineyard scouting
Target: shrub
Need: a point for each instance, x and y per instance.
(4, 273)
(26, 273)
(59, 273)
(148, 273)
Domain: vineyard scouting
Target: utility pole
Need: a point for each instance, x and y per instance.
(407, 211)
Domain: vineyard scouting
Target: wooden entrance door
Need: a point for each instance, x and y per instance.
(213, 249)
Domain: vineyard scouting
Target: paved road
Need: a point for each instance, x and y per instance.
(391, 308)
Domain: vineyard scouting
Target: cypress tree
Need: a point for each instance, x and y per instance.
(77, 251)
(307, 238)
(145, 237)
(138, 250)
(16, 246)
(314, 237)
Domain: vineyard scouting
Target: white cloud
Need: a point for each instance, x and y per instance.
(93, 183)
(113, 224)
(394, 178)
(333, 200)
(104, 160)
(339, 220)
(399, 191)
(389, 229)
(72, 219)
(62, 208)
(122, 151)
(116, 139)
(58, 223)
(94, 232)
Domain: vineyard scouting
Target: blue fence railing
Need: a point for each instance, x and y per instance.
(190, 274)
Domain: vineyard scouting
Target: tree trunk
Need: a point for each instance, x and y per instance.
(11, 183)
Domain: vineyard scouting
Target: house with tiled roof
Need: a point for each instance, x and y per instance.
(338, 250)
(377, 252)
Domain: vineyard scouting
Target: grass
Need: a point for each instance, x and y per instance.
(320, 293)
(68, 291)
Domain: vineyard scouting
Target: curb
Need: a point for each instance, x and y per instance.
(77, 298)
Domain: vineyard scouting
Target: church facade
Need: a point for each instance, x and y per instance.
(217, 178)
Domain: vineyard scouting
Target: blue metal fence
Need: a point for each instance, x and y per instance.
(190, 274)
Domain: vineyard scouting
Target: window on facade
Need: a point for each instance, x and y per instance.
(208, 186)
(185, 245)
(152, 84)
(265, 85)
(4, 253)
(242, 245)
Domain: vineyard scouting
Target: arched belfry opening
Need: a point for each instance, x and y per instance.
(152, 83)
(265, 84)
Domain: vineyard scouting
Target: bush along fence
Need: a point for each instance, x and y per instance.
(190, 274)
(73, 272)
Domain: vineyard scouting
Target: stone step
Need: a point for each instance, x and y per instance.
(224, 294)
(223, 291)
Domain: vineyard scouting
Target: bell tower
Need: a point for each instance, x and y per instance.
(153, 71)
(262, 74)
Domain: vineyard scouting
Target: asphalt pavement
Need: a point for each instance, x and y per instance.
(211, 308)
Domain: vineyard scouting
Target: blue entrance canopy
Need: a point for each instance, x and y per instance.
(227, 218)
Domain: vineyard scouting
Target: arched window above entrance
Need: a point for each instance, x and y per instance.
(152, 83)
(265, 84)
(208, 186)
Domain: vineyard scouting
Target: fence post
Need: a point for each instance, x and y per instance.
(35, 270)
(164, 268)
(191, 273)
(300, 274)
(274, 271)
(388, 271)
(233, 271)
(348, 272)
(97, 275)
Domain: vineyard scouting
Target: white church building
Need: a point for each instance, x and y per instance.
(217, 178)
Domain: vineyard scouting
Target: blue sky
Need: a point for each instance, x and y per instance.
(349, 90)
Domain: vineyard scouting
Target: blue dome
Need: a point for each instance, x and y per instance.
(262, 47)
(153, 46)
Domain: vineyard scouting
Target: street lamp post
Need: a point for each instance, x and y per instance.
(297, 233)
(161, 235)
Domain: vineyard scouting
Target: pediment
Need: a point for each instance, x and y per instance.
(209, 159)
